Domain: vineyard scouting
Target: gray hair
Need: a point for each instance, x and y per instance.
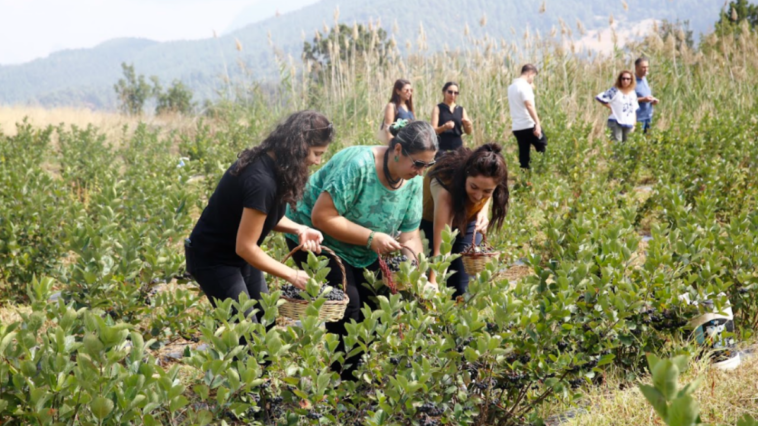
(416, 136)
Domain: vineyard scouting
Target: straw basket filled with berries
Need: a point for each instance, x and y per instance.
(296, 301)
(476, 256)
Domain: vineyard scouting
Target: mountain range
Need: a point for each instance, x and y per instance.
(85, 77)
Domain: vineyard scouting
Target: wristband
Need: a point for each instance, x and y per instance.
(370, 239)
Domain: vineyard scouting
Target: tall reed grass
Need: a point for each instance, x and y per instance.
(721, 73)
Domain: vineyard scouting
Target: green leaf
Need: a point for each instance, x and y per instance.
(665, 375)
(101, 407)
(683, 412)
(656, 399)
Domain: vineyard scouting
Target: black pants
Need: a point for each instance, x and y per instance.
(358, 295)
(221, 282)
(459, 280)
(525, 140)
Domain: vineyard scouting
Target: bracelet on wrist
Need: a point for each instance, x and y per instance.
(370, 239)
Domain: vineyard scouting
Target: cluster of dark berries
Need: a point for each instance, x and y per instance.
(562, 346)
(147, 295)
(486, 383)
(575, 383)
(291, 292)
(491, 327)
(394, 262)
(314, 415)
(430, 409)
(394, 361)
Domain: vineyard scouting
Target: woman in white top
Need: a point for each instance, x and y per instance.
(621, 99)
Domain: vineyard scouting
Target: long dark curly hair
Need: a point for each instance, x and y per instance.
(289, 142)
(456, 166)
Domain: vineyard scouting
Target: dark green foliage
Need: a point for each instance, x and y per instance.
(132, 91)
(351, 43)
(733, 15)
(177, 99)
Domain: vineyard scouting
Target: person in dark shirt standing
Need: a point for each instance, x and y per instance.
(450, 120)
(645, 97)
(223, 252)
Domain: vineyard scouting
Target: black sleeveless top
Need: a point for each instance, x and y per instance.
(450, 139)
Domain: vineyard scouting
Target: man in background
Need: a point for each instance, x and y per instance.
(526, 122)
(644, 94)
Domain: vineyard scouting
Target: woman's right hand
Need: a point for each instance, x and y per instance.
(299, 279)
(449, 125)
(384, 244)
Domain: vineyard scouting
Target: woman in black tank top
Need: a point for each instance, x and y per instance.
(450, 120)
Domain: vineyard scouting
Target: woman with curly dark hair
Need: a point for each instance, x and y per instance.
(458, 192)
(223, 252)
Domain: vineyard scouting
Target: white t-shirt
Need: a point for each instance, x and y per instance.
(623, 106)
(518, 93)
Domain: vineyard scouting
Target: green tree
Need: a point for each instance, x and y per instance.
(680, 30)
(178, 98)
(132, 91)
(734, 14)
(350, 43)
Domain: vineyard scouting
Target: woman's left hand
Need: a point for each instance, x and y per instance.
(310, 239)
(466, 122)
(482, 222)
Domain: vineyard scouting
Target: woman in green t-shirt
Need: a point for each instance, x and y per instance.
(361, 198)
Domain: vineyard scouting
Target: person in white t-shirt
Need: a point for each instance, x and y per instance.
(621, 99)
(526, 122)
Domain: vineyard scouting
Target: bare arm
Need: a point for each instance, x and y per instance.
(326, 218)
(309, 238)
(389, 114)
(248, 233)
(436, 122)
(533, 113)
(467, 125)
(412, 240)
(443, 216)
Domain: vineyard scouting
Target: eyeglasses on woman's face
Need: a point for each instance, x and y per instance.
(626, 78)
(453, 92)
(418, 164)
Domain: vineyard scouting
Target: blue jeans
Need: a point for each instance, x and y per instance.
(646, 123)
(459, 280)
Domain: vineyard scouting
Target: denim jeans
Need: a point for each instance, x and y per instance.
(459, 280)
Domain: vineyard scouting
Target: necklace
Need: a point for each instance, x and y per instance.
(393, 183)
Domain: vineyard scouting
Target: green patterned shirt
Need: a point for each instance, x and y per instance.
(350, 178)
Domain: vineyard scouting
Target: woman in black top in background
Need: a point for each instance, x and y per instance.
(450, 120)
(223, 253)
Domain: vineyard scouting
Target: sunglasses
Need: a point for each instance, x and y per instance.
(626, 79)
(450, 92)
(417, 164)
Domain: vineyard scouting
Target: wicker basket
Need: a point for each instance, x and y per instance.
(392, 281)
(474, 262)
(331, 310)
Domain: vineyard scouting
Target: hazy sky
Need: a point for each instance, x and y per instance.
(31, 29)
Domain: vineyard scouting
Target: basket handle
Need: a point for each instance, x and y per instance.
(330, 252)
(473, 244)
(383, 266)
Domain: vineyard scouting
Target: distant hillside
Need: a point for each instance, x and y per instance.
(85, 77)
